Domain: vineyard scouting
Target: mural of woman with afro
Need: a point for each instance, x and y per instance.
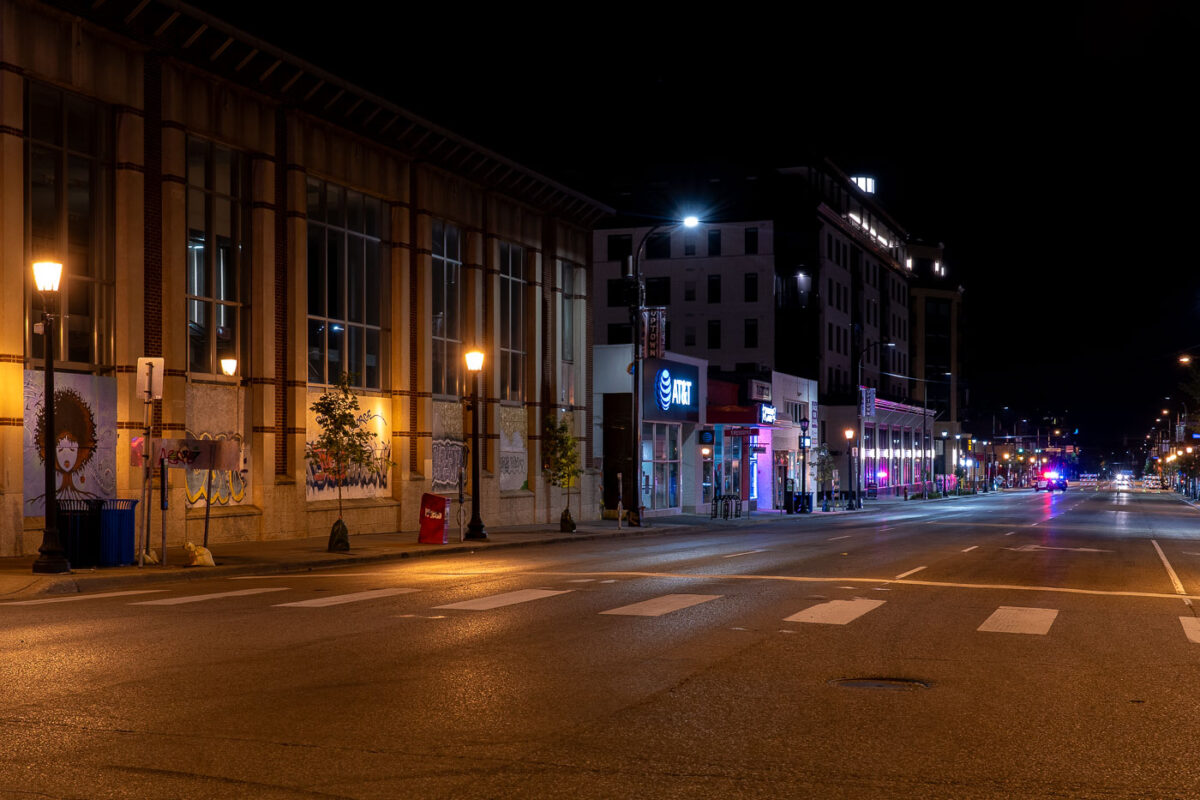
(74, 445)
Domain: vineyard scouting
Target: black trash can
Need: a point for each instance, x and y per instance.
(79, 531)
(117, 523)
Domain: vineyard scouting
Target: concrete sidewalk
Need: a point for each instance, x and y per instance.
(298, 555)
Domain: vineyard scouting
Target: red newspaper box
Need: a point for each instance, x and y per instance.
(433, 519)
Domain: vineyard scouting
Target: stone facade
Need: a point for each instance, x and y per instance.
(158, 104)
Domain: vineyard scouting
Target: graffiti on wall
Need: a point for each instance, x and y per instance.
(514, 457)
(228, 486)
(449, 455)
(321, 476)
(84, 443)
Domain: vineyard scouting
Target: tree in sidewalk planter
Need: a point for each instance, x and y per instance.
(824, 465)
(561, 452)
(344, 442)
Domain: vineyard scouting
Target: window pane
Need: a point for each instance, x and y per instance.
(197, 161)
(316, 351)
(335, 270)
(227, 316)
(335, 205)
(198, 283)
(354, 355)
(315, 211)
(354, 211)
(316, 270)
(439, 298)
(373, 210)
(44, 183)
(79, 213)
(227, 283)
(355, 278)
(452, 243)
(374, 299)
(505, 311)
(439, 238)
(45, 114)
(372, 361)
(335, 342)
(80, 334)
(222, 170)
(199, 351)
(439, 367)
(453, 302)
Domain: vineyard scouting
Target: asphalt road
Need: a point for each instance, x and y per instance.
(1015, 645)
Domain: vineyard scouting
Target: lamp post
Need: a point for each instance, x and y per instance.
(475, 529)
(849, 432)
(52, 559)
(862, 402)
(636, 307)
(804, 466)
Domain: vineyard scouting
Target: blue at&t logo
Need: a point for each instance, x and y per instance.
(672, 391)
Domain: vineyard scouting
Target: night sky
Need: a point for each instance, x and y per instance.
(1053, 152)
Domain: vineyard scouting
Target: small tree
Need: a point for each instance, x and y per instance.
(343, 442)
(824, 467)
(562, 460)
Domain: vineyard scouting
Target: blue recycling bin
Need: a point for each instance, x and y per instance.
(79, 531)
(117, 523)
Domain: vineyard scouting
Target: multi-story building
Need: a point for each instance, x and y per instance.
(216, 199)
(821, 281)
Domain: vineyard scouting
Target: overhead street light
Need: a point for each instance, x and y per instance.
(636, 309)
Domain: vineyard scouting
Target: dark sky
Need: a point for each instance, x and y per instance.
(1053, 152)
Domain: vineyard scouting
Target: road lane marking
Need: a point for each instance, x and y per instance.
(200, 598)
(748, 552)
(506, 599)
(972, 547)
(888, 528)
(1171, 572)
(294, 576)
(339, 599)
(1191, 629)
(836, 538)
(658, 606)
(1029, 548)
(910, 572)
(1011, 619)
(582, 580)
(689, 576)
(44, 600)
(1010, 533)
(836, 612)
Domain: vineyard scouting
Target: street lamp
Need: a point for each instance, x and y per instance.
(636, 307)
(849, 469)
(862, 401)
(475, 529)
(52, 559)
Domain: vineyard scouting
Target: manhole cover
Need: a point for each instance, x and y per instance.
(890, 684)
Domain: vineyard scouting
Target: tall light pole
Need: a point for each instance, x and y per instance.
(52, 559)
(636, 306)
(862, 401)
(475, 529)
(849, 432)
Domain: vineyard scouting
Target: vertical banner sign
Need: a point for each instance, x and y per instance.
(868, 402)
(654, 323)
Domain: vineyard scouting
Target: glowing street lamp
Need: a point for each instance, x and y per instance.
(849, 433)
(52, 559)
(475, 529)
(635, 314)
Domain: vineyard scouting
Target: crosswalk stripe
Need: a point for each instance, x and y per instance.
(44, 600)
(199, 598)
(1191, 628)
(506, 599)
(339, 599)
(836, 612)
(661, 605)
(1010, 619)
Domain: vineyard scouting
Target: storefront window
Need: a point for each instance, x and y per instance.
(660, 468)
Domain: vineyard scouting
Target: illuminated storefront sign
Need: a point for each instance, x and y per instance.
(766, 414)
(670, 391)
